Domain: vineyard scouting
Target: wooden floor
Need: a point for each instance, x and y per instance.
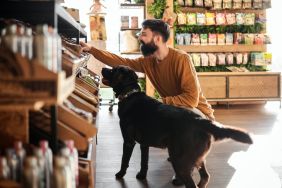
(231, 164)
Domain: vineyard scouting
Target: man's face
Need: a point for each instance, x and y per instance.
(148, 46)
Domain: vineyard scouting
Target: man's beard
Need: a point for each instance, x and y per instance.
(149, 48)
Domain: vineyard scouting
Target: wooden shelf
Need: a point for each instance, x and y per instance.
(125, 5)
(134, 29)
(222, 48)
(15, 105)
(131, 53)
(203, 9)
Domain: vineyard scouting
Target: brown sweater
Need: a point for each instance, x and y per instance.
(174, 77)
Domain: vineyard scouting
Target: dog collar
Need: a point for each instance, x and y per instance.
(121, 97)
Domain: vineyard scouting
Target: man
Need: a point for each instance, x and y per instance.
(171, 71)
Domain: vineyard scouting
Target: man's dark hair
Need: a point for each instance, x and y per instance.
(157, 26)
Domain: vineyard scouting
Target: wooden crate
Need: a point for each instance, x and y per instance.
(32, 82)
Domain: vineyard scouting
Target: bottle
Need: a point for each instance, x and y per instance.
(74, 155)
(21, 41)
(65, 152)
(4, 169)
(56, 50)
(48, 157)
(30, 173)
(20, 154)
(28, 43)
(61, 176)
(10, 39)
(12, 163)
(41, 167)
(43, 46)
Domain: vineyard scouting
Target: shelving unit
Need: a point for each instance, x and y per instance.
(229, 86)
(222, 48)
(38, 12)
(130, 7)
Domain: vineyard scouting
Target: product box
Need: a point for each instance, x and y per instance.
(124, 22)
(74, 13)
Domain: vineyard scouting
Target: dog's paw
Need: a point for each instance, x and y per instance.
(141, 175)
(120, 174)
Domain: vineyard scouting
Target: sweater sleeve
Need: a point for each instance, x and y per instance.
(189, 85)
(113, 60)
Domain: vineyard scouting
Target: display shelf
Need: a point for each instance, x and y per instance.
(131, 53)
(15, 105)
(125, 5)
(222, 48)
(203, 10)
(39, 12)
(134, 29)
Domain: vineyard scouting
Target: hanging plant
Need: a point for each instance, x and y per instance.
(157, 8)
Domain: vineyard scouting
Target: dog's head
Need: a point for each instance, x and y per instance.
(121, 78)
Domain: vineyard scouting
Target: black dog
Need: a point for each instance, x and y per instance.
(187, 136)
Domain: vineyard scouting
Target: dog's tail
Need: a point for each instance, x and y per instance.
(220, 131)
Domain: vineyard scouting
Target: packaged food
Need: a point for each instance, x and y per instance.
(237, 4)
(257, 4)
(240, 18)
(134, 22)
(259, 39)
(217, 4)
(229, 38)
(212, 59)
(230, 18)
(245, 58)
(210, 18)
(267, 39)
(204, 39)
(220, 18)
(191, 19)
(199, 3)
(238, 38)
(195, 39)
(188, 3)
(227, 4)
(181, 18)
(220, 39)
(247, 4)
(208, 3)
(267, 58)
(239, 58)
(249, 38)
(212, 39)
(201, 19)
(204, 60)
(196, 59)
(180, 2)
(257, 58)
(229, 59)
(266, 4)
(221, 59)
(249, 19)
(187, 38)
(179, 38)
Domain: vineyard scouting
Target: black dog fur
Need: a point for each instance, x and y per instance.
(147, 121)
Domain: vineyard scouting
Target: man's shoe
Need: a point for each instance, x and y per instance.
(176, 181)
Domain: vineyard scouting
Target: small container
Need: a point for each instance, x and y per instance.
(30, 173)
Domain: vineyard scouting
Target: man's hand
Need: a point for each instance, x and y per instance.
(85, 47)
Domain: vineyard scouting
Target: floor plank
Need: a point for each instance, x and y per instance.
(231, 164)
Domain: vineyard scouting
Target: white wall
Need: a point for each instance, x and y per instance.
(275, 31)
